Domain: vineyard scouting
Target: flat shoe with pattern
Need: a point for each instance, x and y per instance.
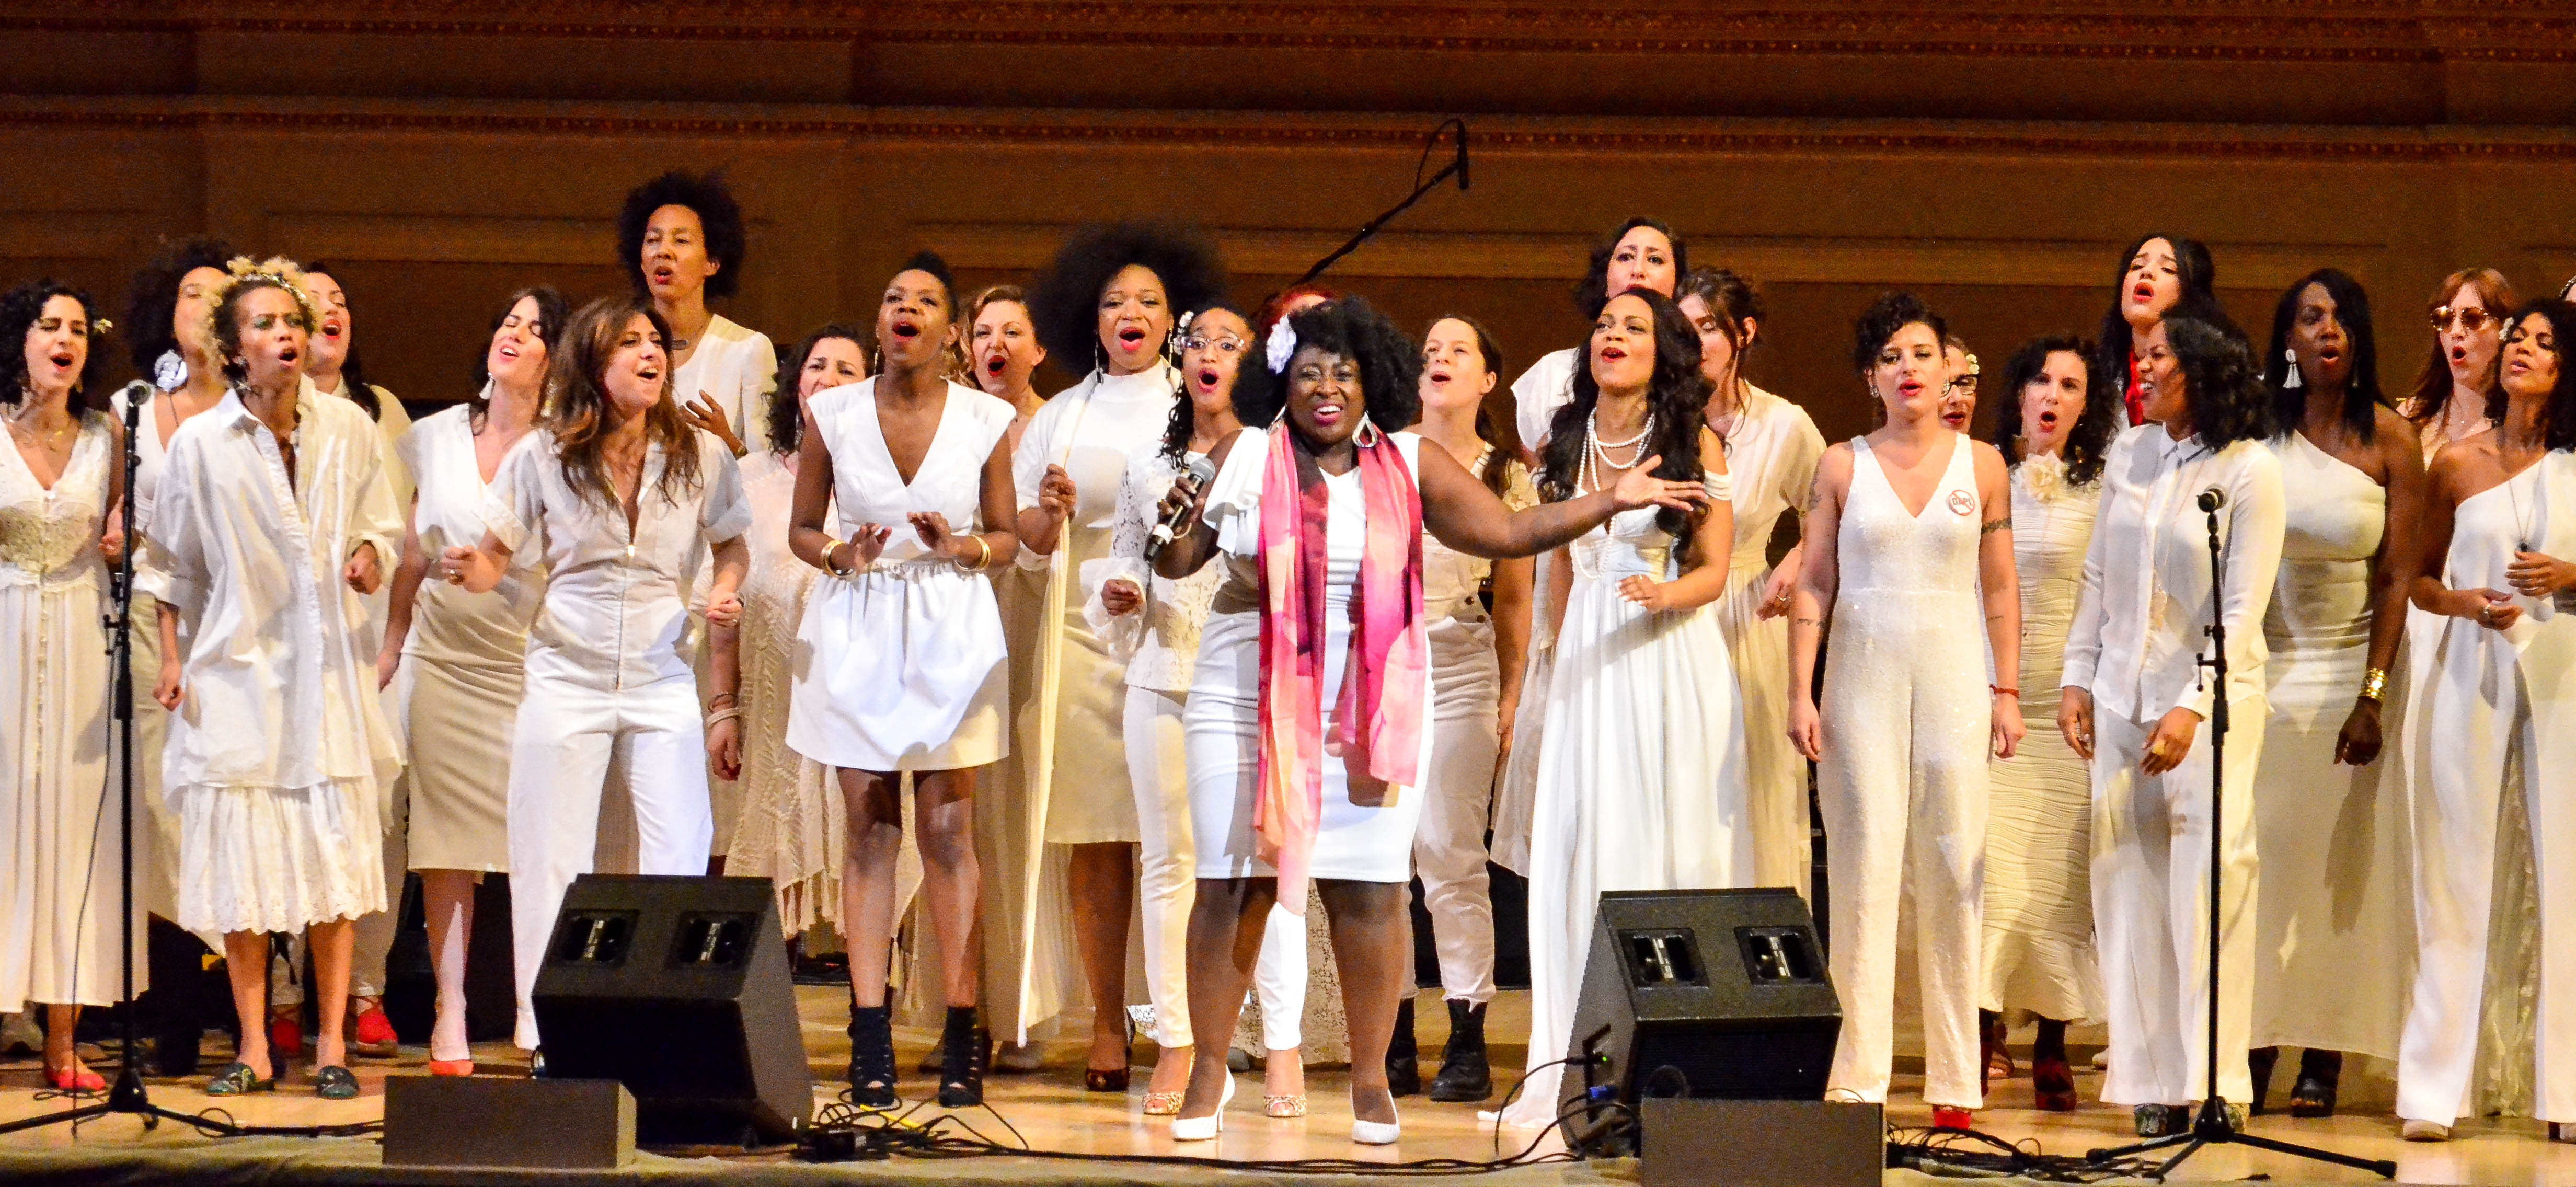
(236, 1079)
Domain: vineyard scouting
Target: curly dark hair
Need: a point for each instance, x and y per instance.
(2088, 441)
(353, 373)
(1498, 472)
(786, 412)
(2361, 394)
(552, 312)
(705, 194)
(20, 307)
(152, 297)
(1184, 421)
(2558, 420)
(1676, 396)
(1065, 300)
(242, 278)
(1593, 291)
(1390, 364)
(2196, 275)
(1884, 317)
(2222, 388)
(577, 405)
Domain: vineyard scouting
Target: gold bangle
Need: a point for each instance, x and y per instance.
(832, 544)
(2373, 683)
(981, 560)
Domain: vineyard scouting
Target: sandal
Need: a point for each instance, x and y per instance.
(333, 1082)
(236, 1079)
(1291, 1105)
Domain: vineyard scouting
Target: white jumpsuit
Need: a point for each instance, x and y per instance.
(1901, 780)
(2137, 640)
(606, 677)
(2494, 718)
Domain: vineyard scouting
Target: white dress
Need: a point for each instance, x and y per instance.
(1641, 771)
(59, 820)
(906, 669)
(2039, 953)
(2490, 735)
(1353, 841)
(466, 661)
(280, 752)
(1771, 455)
(1902, 778)
(2334, 932)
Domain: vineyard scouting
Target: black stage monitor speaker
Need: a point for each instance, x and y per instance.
(678, 988)
(1717, 994)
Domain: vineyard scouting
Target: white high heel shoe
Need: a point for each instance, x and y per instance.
(1376, 1133)
(1205, 1129)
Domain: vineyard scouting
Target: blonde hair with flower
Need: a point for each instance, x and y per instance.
(242, 277)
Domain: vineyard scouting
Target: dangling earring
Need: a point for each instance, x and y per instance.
(1099, 357)
(1367, 435)
(2293, 382)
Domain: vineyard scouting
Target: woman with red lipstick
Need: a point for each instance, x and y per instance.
(2038, 901)
(1108, 299)
(462, 656)
(1908, 530)
(1318, 520)
(1003, 351)
(2450, 398)
(879, 700)
(1155, 623)
(2135, 700)
(2160, 275)
(59, 854)
(2488, 741)
(2334, 942)
(1771, 451)
(269, 506)
(1641, 777)
(1643, 254)
(624, 502)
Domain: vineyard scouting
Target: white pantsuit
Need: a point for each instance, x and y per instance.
(2139, 634)
(1901, 781)
(606, 675)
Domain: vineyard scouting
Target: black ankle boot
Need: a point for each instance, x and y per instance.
(964, 1050)
(2259, 1062)
(1464, 1074)
(872, 1058)
(1403, 1062)
(2319, 1073)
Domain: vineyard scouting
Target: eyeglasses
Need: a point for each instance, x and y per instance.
(2471, 319)
(1226, 345)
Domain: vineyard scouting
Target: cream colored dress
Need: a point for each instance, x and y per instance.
(2039, 825)
(1771, 455)
(59, 821)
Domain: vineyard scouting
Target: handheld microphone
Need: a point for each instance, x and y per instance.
(2213, 499)
(1197, 475)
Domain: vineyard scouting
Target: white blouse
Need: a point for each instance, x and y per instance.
(449, 624)
(738, 368)
(281, 691)
(615, 610)
(1547, 386)
(1160, 639)
(2139, 621)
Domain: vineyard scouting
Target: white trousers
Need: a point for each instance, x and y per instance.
(1458, 804)
(1167, 876)
(2151, 911)
(559, 756)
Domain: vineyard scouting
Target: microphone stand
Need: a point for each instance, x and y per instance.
(1457, 167)
(126, 1094)
(2212, 1127)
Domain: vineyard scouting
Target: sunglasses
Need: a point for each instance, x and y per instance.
(2471, 320)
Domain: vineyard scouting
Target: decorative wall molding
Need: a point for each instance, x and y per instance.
(1493, 134)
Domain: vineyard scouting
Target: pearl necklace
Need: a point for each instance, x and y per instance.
(1588, 475)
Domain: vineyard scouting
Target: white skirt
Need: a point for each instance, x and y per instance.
(901, 669)
(1221, 729)
(272, 859)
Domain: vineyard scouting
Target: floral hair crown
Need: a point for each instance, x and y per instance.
(276, 271)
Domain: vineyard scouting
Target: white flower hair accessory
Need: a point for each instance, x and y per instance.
(1282, 347)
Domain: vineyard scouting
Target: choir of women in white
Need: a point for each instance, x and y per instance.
(2388, 766)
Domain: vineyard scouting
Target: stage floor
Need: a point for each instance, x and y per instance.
(1052, 1112)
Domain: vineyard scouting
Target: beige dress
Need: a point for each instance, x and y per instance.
(2039, 826)
(1771, 455)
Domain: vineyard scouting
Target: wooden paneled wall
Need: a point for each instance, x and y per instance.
(1992, 157)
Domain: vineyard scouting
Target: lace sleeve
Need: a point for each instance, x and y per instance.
(1139, 492)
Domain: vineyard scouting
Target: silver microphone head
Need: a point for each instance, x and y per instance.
(1201, 470)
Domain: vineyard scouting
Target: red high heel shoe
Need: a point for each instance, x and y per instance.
(286, 1035)
(1945, 1117)
(2052, 1086)
(66, 1079)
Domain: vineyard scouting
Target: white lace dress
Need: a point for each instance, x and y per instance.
(59, 851)
(1641, 775)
